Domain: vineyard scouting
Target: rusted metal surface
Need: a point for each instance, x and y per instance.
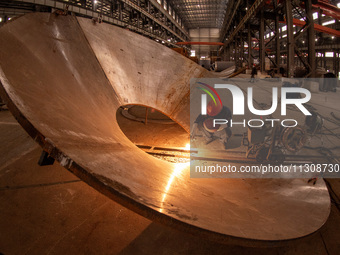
(64, 79)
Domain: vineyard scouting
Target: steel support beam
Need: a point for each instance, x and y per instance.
(233, 48)
(139, 9)
(242, 49)
(250, 59)
(328, 9)
(228, 20)
(310, 38)
(251, 12)
(317, 27)
(290, 39)
(277, 39)
(336, 64)
(120, 11)
(228, 53)
(238, 52)
(85, 11)
(262, 46)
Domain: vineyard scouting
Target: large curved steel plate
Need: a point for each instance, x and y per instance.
(64, 79)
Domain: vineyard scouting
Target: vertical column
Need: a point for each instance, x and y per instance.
(226, 52)
(237, 51)
(242, 49)
(336, 63)
(229, 52)
(277, 40)
(310, 38)
(233, 50)
(262, 45)
(112, 8)
(240, 45)
(290, 39)
(94, 5)
(120, 12)
(250, 59)
(199, 46)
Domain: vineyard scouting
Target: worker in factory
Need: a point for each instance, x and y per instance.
(204, 124)
(253, 73)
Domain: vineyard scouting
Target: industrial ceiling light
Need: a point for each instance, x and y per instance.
(328, 22)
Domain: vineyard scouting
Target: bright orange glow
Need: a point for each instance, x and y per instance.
(179, 167)
(187, 146)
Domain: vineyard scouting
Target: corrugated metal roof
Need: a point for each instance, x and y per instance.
(200, 13)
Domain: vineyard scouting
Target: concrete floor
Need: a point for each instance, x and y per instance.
(47, 210)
